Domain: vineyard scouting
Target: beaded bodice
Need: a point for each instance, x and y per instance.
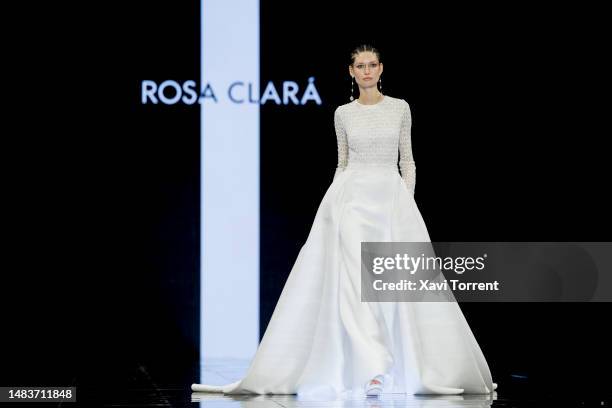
(374, 134)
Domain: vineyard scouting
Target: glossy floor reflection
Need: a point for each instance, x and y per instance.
(227, 371)
(387, 400)
(141, 386)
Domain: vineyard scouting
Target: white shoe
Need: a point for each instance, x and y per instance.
(375, 386)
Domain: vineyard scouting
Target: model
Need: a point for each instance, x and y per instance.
(321, 338)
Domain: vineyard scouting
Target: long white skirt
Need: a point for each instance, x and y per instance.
(323, 340)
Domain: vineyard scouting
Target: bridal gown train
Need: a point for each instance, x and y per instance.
(321, 338)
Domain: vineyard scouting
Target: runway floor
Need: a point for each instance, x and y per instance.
(146, 392)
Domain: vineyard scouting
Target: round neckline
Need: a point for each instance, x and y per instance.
(371, 105)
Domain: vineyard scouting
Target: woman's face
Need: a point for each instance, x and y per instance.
(366, 69)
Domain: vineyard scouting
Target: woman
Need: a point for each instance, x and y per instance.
(321, 337)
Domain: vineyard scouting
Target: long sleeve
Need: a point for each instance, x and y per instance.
(342, 143)
(406, 163)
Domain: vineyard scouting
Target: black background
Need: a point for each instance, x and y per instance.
(102, 283)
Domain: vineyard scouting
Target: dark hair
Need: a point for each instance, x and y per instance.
(364, 48)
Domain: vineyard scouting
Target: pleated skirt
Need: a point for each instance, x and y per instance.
(323, 340)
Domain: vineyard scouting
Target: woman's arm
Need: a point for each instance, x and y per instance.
(342, 143)
(407, 166)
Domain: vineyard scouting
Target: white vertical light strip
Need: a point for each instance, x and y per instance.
(229, 250)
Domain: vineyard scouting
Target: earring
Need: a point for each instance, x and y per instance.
(352, 81)
(380, 81)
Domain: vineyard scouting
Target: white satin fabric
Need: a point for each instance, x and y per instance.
(322, 340)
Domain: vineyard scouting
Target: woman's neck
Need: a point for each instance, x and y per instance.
(370, 98)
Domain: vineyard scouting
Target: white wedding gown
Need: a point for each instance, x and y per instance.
(321, 338)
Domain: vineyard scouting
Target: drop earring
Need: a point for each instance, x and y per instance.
(352, 81)
(380, 81)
